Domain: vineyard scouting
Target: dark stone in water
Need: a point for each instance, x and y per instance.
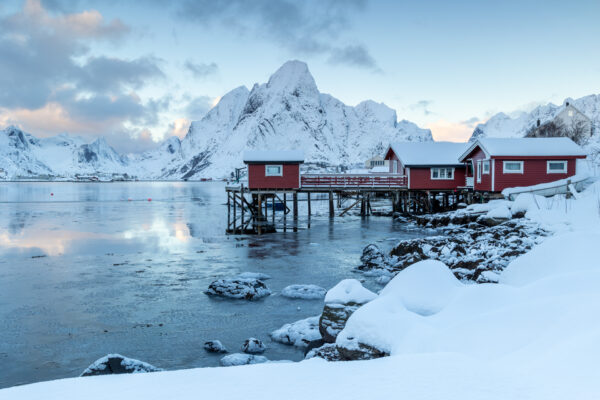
(118, 364)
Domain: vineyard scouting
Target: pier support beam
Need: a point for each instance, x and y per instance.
(295, 200)
(331, 211)
(309, 213)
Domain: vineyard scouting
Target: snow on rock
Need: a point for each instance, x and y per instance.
(501, 212)
(525, 201)
(254, 275)
(248, 289)
(340, 302)
(118, 364)
(253, 346)
(242, 359)
(214, 346)
(349, 291)
(305, 292)
(299, 333)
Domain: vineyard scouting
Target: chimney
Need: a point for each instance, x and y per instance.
(567, 104)
(538, 122)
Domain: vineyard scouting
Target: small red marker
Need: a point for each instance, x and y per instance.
(51, 194)
(149, 199)
(128, 199)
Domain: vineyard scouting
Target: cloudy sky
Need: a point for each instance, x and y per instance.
(138, 72)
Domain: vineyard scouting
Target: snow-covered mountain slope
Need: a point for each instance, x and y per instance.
(287, 112)
(517, 124)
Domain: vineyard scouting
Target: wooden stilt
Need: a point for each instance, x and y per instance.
(295, 199)
(228, 211)
(309, 212)
(285, 211)
(331, 212)
(259, 214)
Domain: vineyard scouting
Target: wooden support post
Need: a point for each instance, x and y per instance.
(243, 208)
(234, 211)
(285, 211)
(331, 212)
(295, 199)
(259, 214)
(309, 212)
(273, 211)
(362, 205)
(369, 210)
(228, 211)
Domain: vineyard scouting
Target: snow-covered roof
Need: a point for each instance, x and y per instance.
(379, 169)
(428, 153)
(286, 156)
(526, 147)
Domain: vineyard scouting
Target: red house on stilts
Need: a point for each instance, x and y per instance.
(497, 164)
(269, 169)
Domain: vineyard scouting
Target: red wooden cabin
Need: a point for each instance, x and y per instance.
(428, 165)
(497, 164)
(278, 169)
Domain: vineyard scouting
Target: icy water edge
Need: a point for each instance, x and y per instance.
(88, 269)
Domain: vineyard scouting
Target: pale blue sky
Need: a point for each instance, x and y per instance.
(124, 69)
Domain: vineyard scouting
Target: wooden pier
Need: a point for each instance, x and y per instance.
(259, 211)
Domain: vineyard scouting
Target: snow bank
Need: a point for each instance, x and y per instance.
(501, 212)
(349, 291)
(306, 292)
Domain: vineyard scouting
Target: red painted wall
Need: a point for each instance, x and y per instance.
(486, 179)
(258, 180)
(392, 157)
(534, 172)
(420, 178)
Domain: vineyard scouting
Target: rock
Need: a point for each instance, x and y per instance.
(340, 302)
(242, 359)
(214, 346)
(248, 289)
(305, 292)
(118, 364)
(253, 346)
(327, 352)
(489, 221)
(372, 257)
(300, 333)
(360, 352)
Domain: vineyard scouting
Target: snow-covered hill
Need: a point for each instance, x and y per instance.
(287, 112)
(517, 124)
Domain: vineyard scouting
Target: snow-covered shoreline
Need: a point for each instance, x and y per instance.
(532, 335)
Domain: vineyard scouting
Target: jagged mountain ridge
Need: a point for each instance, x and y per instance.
(519, 123)
(286, 112)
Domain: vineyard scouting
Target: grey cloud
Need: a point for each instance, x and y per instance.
(201, 70)
(198, 107)
(309, 27)
(104, 74)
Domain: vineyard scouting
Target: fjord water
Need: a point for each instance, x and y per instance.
(88, 269)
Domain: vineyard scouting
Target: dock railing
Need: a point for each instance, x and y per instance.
(353, 181)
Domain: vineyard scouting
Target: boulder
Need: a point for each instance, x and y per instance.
(327, 351)
(300, 333)
(242, 359)
(360, 352)
(372, 257)
(305, 292)
(118, 364)
(247, 289)
(214, 346)
(253, 346)
(340, 302)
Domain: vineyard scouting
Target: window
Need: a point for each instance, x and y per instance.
(570, 113)
(556, 167)
(442, 173)
(486, 167)
(274, 170)
(478, 171)
(513, 167)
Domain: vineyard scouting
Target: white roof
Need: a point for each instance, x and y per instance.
(253, 156)
(379, 169)
(559, 146)
(428, 153)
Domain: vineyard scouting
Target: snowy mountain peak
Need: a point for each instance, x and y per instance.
(292, 77)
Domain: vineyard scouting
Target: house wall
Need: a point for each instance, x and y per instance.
(258, 180)
(390, 157)
(534, 172)
(486, 179)
(570, 117)
(420, 178)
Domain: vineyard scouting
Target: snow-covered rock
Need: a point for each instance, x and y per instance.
(501, 212)
(248, 289)
(214, 346)
(242, 359)
(299, 333)
(340, 302)
(253, 346)
(306, 292)
(118, 364)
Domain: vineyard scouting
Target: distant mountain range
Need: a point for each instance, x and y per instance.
(287, 112)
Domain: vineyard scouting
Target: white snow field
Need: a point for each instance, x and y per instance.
(534, 335)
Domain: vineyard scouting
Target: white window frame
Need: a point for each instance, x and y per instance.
(439, 178)
(485, 163)
(479, 171)
(520, 171)
(562, 171)
(273, 165)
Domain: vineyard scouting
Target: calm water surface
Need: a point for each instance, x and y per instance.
(96, 268)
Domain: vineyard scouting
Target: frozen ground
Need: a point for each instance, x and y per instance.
(85, 272)
(532, 336)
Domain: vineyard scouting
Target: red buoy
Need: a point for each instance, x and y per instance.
(128, 199)
(51, 194)
(149, 199)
